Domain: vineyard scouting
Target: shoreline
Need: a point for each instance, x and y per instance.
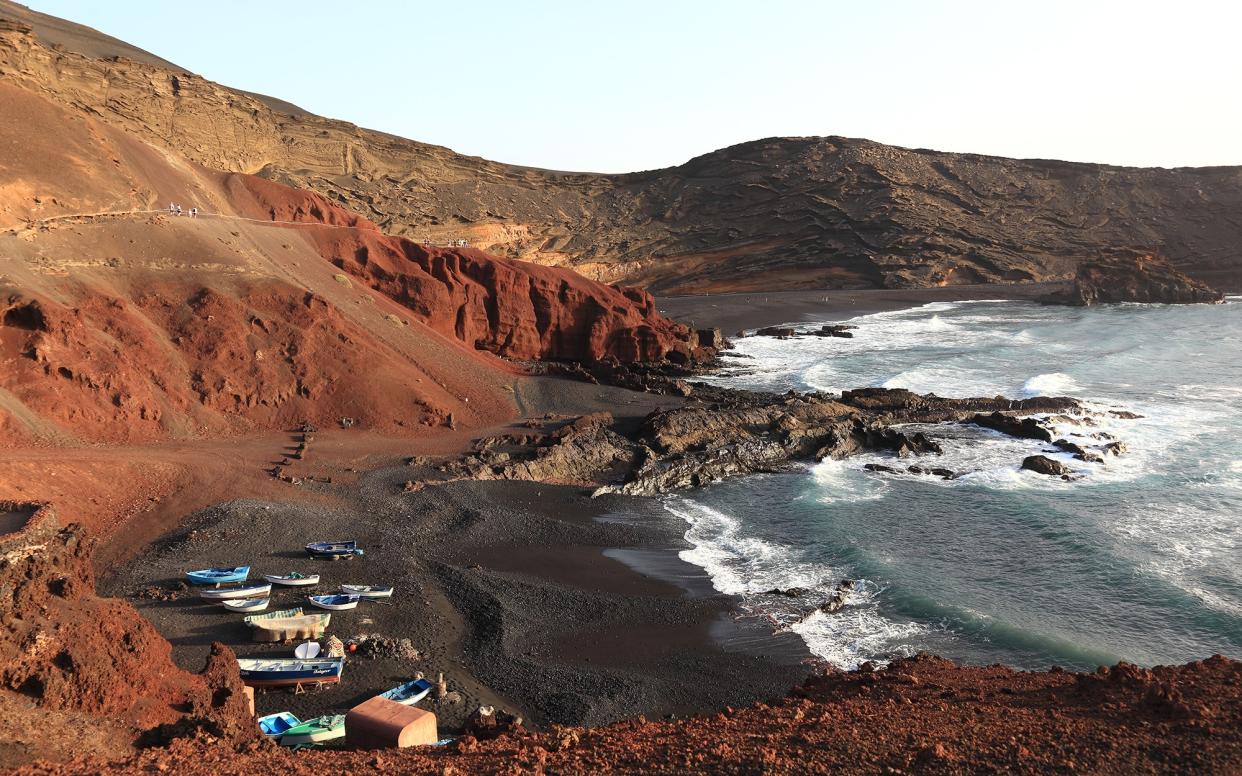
(734, 312)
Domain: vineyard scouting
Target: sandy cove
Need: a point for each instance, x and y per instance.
(525, 595)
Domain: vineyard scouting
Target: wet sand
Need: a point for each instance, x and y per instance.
(734, 312)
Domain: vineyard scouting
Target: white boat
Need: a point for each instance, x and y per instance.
(307, 650)
(409, 693)
(367, 591)
(248, 590)
(247, 604)
(334, 602)
(277, 615)
(292, 579)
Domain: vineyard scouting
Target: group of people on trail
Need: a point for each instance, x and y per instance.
(451, 244)
(175, 210)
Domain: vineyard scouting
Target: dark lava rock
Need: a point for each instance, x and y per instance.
(1146, 278)
(1024, 428)
(836, 330)
(775, 331)
(1045, 465)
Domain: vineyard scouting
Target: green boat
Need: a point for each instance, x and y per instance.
(315, 731)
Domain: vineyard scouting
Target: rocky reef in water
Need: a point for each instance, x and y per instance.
(721, 433)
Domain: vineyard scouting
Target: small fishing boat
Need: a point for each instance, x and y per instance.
(218, 576)
(334, 602)
(280, 614)
(315, 731)
(409, 693)
(292, 579)
(285, 671)
(307, 649)
(247, 604)
(307, 626)
(333, 550)
(274, 725)
(247, 590)
(367, 591)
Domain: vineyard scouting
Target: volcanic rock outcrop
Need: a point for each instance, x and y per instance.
(75, 654)
(737, 433)
(770, 214)
(1147, 278)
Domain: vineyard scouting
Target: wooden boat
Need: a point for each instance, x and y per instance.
(274, 725)
(247, 604)
(285, 672)
(367, 591)
(409, 693)
(333, 550)
(334, 602)
(247, 590)
(292, 579)
(315, 731)
(218, 576)
(302, 627)
(276, 615)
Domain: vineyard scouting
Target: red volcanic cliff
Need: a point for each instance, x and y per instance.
(119, 324)
(511, 308)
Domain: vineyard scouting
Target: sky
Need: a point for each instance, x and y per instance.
(636, 85)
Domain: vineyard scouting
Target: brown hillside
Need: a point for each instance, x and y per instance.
(140, 326)
(771, 214)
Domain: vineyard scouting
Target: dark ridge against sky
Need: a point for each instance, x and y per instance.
(616, 87)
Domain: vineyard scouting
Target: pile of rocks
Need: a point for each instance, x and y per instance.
(377, 646)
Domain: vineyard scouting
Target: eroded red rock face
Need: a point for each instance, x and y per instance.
(69, 650)
(511, 308)
(183, 360)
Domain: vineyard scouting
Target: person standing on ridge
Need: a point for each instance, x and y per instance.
(193, 212)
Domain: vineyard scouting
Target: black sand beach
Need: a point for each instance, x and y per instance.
(529, 596)
(735, 312)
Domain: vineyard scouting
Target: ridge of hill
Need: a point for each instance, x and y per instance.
(778, 213)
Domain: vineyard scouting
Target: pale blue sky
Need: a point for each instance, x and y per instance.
(636, 85)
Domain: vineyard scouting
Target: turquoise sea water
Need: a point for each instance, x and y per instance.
(1139, 560)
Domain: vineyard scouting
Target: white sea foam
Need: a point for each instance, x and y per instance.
(1050, 384)
(844, 482)
(742, 564)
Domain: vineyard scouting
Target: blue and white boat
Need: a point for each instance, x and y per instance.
(367, 591)
(218, 576)
(333, 550)
(334, 602)
(284, 672)
(245, 590)
(275, 725)
(409, 693)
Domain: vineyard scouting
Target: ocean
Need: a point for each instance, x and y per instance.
(1139, 559)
